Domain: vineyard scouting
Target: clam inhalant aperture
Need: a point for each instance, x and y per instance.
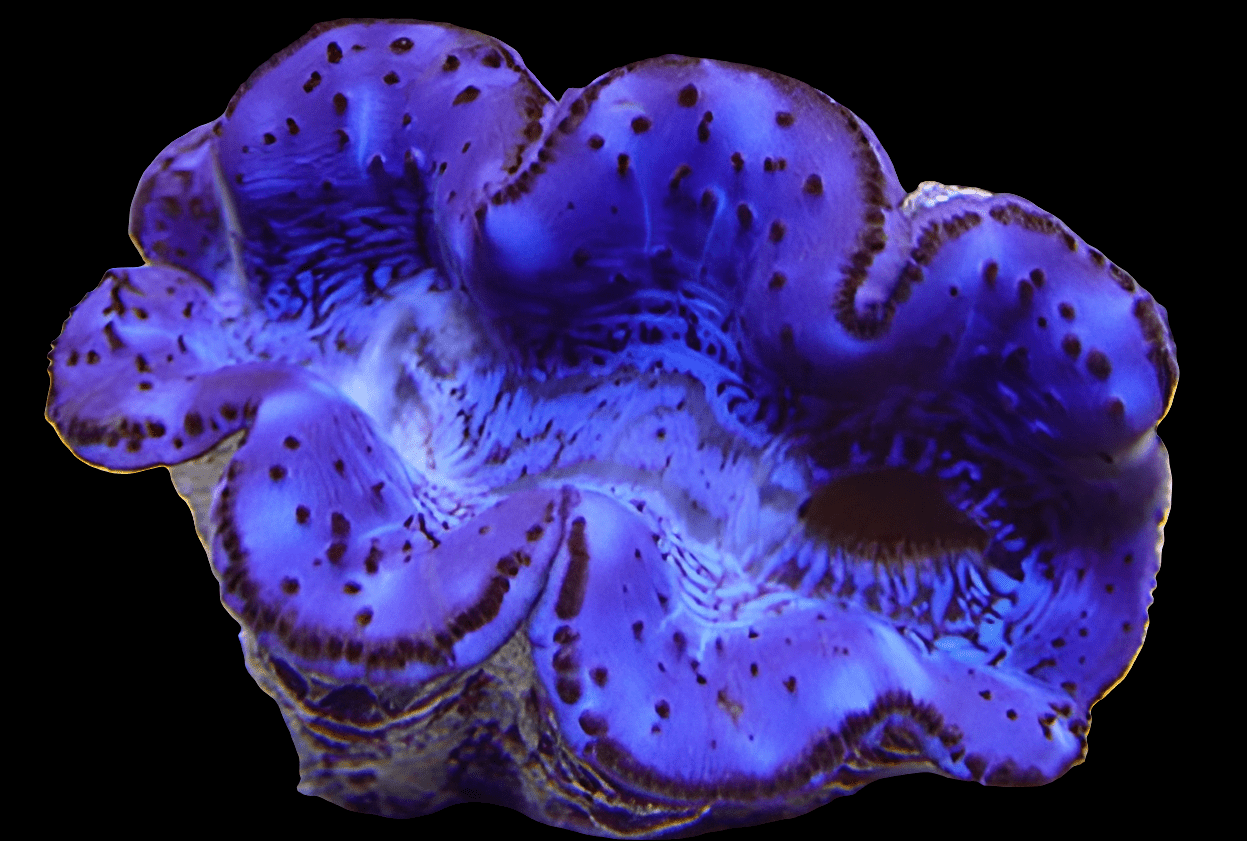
(646, 461)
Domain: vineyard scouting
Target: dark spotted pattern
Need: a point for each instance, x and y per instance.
(648, 461)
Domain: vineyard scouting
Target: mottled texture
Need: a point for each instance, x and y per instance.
(647, 461)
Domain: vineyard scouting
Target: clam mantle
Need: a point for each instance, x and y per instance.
(647, 461)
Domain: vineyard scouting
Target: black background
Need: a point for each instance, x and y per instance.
(158, 723)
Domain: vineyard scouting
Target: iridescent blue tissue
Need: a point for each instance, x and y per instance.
(645, 461)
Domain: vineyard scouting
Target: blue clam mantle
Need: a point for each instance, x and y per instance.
(711, 474)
